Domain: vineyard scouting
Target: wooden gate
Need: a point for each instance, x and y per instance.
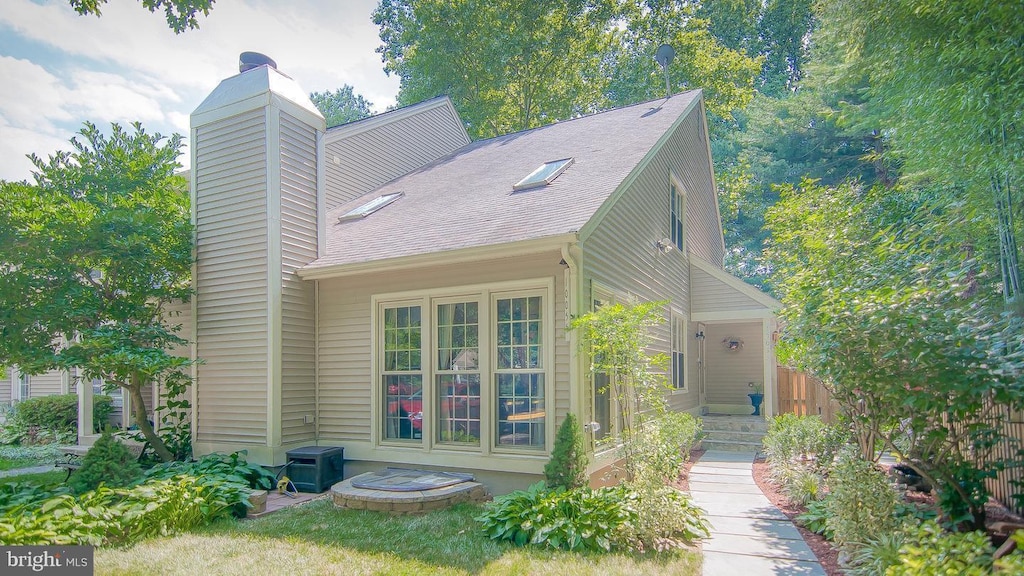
(803, 395)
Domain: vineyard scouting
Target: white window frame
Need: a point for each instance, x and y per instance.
(678, 328)
(24, 386)
(677, 213)
(428, 299)
(545, 369)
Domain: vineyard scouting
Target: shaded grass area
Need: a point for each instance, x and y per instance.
(13, 457)
(318, 538)
(41, 479)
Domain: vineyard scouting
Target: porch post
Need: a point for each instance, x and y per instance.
(84, 407)
(769, 368)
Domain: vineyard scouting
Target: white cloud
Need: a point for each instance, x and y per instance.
(127, 65)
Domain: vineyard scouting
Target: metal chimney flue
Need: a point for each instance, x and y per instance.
(249, 60)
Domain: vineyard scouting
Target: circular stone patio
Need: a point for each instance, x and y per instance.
(406, 491)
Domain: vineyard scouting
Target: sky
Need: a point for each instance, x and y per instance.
(59, 69)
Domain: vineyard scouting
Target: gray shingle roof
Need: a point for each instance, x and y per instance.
(466, 200)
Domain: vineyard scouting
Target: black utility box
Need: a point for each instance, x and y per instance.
(316, 468)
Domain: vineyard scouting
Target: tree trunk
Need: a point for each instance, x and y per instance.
(139, 411)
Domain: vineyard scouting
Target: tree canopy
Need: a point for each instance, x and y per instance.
(91, 255)
(506, 65)
(341, 106)
(180, 14)
(512, 66)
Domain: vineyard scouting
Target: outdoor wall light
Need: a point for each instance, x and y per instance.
(664, 245)
(699, 335)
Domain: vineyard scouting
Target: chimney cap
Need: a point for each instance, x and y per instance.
(249, 60)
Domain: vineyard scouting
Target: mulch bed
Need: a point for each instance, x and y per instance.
(827, 554)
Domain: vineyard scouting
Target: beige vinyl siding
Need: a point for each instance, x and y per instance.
(729, 372)
(621, 252)
(231, 279)
(344, 334)
(712, 295)
(46, 384)
(693, 169)
(298, 248)
(359, 161)
(5, 386)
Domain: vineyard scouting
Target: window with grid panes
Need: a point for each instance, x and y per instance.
(519, 372)
(402, 373)
(458, 373)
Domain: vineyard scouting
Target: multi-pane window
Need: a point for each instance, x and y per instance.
(519, 372)
(678, 353)
(402, 374)
(677, 200)
(458, 373)
(24, 386)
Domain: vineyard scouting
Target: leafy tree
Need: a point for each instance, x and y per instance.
(885, 304)
(90, 257)
(567, 467)
(341, 106)
(776, 30)
(181, 14)
(726, 75)
(506, 65)
(616, 338)
(945, 82)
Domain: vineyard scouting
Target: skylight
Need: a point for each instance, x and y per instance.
(544, 175)
(370, 207)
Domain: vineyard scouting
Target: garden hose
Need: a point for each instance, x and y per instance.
(285, 485)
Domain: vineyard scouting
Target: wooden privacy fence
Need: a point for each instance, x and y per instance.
(1007, 483)
(803, 395)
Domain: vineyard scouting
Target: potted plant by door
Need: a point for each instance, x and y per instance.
(756, 397)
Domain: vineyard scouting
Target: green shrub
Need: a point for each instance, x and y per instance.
(222, 467)
(52, 418)
(664, 518)
(876, 555)
(578, 519)
(861, 503)
(121, 516)
(58, 413)
(928, 549)
(663, 446)
(108, 462)
(13, 494)
(802, 485)
(805, 439)
(567, 467)
(815, 518)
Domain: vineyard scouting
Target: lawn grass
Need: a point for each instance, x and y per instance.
(318, 538)
(13, 457)
(41, 479)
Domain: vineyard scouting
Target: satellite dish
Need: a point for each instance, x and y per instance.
(250, 60)
(664, 55)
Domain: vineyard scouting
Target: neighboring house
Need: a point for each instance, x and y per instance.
(15, 385)
(391, 287)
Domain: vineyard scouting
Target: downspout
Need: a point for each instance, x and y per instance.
(572, 256)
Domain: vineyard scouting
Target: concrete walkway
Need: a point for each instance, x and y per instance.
(32, 470)
(749, 535)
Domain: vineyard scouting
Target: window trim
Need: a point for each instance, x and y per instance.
(546, 369)
(677, 213)
(677, 335)
(377, 355)
(426, 298)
